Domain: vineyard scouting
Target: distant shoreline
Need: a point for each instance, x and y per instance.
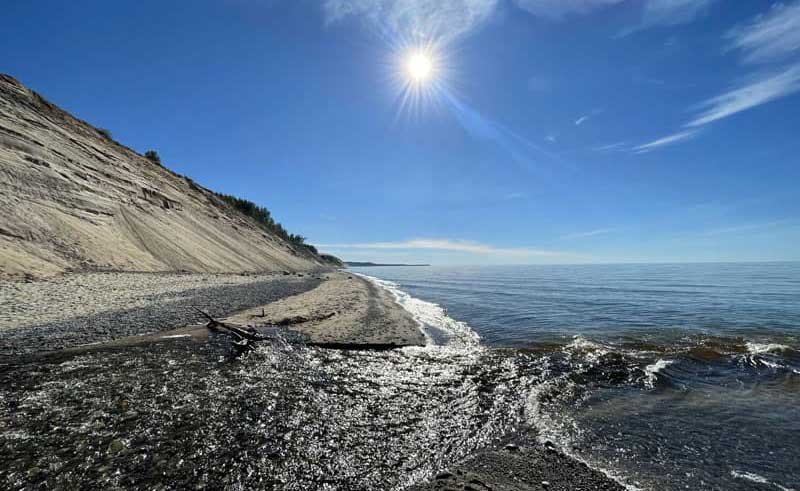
(358, 264)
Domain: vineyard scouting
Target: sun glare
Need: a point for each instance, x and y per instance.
(419, 67)
(420, 74)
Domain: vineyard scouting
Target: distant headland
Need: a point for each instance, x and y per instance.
(358, 264)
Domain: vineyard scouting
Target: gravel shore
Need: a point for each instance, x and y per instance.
(85, 308)
(183, 414)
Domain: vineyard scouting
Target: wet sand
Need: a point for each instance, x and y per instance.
(344, 309)
(520, 464)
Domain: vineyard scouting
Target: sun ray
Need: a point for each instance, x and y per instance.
(420, 73)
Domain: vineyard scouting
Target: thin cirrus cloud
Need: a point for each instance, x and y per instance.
(584, 235)
(749, 227)
(581, 120)
(769, 37)
(612, 147)
(446, 20)
(761, 91)
(558, 9)
(654, 12)
(448, 245)
(672, 12)
(443, 20)
(667, 140)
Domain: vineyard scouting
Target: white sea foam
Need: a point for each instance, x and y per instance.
(561, 430)
(758, 348)
(590, 350)
(581, 343)
(651, 370)
(435, 324)
(557, 427)
(442, 330)
(753, 477)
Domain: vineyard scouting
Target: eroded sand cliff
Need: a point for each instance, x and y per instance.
(74, 199)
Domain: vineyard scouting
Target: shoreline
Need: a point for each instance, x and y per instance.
(82, 310)
(365, 314)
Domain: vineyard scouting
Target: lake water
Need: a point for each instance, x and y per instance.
(667, 376)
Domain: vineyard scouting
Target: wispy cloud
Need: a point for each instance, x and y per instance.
(769, 37)
(448, 245)
(665, 13)
(667, 140)
(748, 227)
(584, 118)
(672, 12)
(442, 20)
(611, 147)
(558, 9)
(756, 93)
(772, 36)
(591, 233)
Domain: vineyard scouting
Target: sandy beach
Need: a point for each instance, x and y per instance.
(85, 309)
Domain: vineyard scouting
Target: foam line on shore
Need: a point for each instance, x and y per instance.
(439, 328)
(442, 330)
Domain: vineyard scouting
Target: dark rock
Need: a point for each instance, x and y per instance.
(115, 446)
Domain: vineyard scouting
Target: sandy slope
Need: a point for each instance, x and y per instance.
(73, 199)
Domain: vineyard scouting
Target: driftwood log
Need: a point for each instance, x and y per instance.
(244, 338)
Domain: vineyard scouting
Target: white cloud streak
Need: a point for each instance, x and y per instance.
(440, 20)
(761, 91)
(448, 245)
(750, 227)
(665, 13)
(667, 140)
(771, 36)
(672, 12)
(581, 120)
(558, 9)
(591, 233)
(611, 147)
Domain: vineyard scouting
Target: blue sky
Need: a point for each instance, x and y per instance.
(552, 131)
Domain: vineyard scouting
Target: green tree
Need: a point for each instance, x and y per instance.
(153, 157)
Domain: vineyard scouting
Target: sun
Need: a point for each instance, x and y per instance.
(420, 75)
(419, 66)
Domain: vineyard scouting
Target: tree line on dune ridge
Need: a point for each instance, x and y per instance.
(260, 214)
(263, 217)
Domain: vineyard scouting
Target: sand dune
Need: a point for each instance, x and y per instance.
(73, 199)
